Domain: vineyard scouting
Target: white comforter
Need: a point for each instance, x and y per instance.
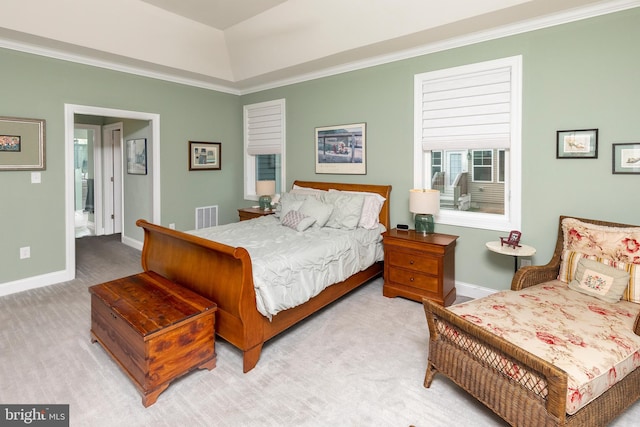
(291, 267)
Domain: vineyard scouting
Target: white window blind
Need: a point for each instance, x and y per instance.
(264, 127)
(466, 110)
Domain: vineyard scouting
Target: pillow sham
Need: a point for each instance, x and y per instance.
(371, 207)
(314, 208)
(347, 209)
(297, 220)
(599, 280)
(289, 202)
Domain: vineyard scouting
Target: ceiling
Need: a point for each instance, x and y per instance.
(241, 46)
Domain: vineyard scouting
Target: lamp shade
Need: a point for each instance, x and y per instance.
(424, 201)
(265, 188)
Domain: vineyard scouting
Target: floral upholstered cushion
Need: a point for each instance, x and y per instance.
(591, 340)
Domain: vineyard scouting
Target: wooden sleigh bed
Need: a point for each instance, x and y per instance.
(224, 274)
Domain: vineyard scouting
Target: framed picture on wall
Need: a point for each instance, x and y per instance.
(577, 144)
(341, 149)
(137, 156)
(22, 143)
(626, 158)
(205, 156)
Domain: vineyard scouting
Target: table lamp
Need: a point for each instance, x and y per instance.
(424, 203)
(265, 189)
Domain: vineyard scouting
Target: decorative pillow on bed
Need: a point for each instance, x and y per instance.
(371, 207)
(599, 280)
(314, 208)
(569, 266)
(347, 209)
(289, 202)
(307, 191)
(297, 220)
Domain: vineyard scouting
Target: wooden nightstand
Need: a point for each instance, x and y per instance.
(250, 213)
(419, 266)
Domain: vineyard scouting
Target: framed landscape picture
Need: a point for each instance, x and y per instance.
(137, 156)
(341, 149)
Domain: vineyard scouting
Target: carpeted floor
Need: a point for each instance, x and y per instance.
(360, 362)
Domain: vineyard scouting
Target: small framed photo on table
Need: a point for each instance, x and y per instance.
(626, 158)
(577, 144)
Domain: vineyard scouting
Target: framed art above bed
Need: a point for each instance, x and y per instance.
(341, 149)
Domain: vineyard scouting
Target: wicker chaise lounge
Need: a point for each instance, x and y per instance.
(474, 358)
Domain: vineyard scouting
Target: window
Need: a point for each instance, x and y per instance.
(467, 142)
(482, 165)
(264, 145)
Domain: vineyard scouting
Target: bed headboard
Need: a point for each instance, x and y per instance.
(383, 190)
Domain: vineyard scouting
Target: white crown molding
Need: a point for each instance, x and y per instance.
(456, 42)
(577, 14)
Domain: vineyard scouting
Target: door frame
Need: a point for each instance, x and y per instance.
(112, 157)
(70, 110)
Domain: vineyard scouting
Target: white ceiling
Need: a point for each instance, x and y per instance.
(245, 45)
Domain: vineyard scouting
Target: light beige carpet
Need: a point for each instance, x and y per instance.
(360, 362)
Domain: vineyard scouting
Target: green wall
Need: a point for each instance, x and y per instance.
(37, 87)
(576, 76)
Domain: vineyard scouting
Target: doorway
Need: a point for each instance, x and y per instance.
(153, 121)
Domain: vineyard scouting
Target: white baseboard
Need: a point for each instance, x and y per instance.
(136, 244)
(34, 282)
(473, 291)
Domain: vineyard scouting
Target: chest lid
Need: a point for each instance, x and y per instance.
(149, 302)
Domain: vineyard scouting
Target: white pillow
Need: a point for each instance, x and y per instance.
(373, 202)
(289, 202)
(307, 191)
(316, 209)
(347, 209)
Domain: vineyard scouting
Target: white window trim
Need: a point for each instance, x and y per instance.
(512, 218)
(250, 160)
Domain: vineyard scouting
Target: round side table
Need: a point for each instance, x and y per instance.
(522, 250)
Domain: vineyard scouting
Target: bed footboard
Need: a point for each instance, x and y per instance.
(219, 272)
(511, 398)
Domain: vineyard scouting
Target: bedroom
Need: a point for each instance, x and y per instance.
(576, 75)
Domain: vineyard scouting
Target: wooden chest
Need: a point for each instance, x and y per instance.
(419, 266)
(154, 329)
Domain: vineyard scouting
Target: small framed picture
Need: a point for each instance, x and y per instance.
(22, 144)
(137, 156)
(205, 156)
(577, 144)
(626, 158)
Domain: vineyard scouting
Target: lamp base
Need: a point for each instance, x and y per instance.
(424, 223)
(265, 203)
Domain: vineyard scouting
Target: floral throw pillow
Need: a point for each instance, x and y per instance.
(599, 280)
(614, 243)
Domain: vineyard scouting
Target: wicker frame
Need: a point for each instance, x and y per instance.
(507, 398)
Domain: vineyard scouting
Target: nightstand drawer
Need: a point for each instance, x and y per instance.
(425, 264)
(414, 279)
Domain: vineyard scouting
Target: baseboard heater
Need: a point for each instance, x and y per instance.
(206, 216)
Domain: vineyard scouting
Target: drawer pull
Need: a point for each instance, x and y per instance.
(411, 279)
(411, 262)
